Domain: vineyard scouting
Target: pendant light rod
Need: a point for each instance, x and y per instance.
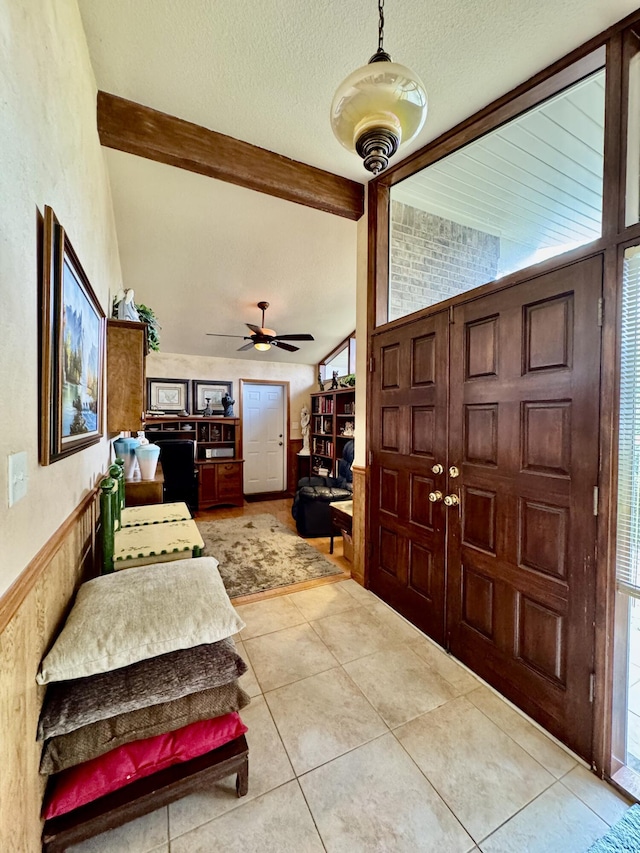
(380, 55)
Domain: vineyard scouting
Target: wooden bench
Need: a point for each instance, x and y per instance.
(125, 547)
(148, 794)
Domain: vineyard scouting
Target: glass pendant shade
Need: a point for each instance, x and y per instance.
(262, 347)
(378, 108)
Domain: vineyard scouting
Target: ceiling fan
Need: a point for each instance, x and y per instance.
(263, 339)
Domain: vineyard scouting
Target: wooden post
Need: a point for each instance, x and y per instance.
(120, 461)
(116, 472)
(108, 522)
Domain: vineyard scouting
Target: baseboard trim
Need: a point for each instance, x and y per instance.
(266, 496)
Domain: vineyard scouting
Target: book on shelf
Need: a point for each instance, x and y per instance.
(323, 406)
(322, 446)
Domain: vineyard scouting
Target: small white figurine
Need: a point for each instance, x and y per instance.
(305, 420)
(125, 305)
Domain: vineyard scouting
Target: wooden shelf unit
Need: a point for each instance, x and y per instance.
(220, 477)
(127, 347)
(330, 412)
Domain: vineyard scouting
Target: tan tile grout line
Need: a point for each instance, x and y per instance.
(390, 730)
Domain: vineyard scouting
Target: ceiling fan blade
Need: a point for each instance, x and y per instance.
(245, 347)
(256, 329)
(288, 347)
(216, 335)
(294, 338)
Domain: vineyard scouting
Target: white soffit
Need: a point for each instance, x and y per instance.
(536, 181)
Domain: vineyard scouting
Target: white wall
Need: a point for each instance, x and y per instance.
(49, 154)
(300, 376)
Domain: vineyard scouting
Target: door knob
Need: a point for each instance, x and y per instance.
(454, 472)
(434, 497)
(437, 468)
(451, 500)
(280, 443)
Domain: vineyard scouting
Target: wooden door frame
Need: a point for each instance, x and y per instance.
(611, 49)
(286, 385)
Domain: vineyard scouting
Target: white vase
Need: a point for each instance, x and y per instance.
(147, 456)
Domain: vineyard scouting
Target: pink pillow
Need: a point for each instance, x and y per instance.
(86, 782)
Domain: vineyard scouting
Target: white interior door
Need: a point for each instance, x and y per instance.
(263, 440)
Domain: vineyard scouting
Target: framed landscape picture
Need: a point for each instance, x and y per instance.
(71, 350)
(168, 395)
(212, 391)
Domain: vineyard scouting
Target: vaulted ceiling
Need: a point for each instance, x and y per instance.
(203, 253)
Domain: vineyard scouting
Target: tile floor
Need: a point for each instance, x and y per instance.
(365, 736)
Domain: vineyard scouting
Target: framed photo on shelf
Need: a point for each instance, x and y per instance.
(168, 395)
(72, 335)
(212, 391)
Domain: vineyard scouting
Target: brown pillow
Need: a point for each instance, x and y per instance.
(98, 738)
(69, 705)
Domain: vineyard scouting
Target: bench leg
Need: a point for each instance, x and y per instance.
(242, 780)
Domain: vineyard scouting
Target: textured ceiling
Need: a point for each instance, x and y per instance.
(265, 72)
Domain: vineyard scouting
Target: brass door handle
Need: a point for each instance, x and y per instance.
(434, 497)
(437, 468)
(451, 500)
(454, 472)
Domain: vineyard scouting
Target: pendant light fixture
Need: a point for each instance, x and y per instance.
(378, 107)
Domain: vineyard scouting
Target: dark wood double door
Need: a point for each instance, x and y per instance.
(485, 459)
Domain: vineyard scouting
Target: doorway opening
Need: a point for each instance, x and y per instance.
(265, 436)
(483, 482)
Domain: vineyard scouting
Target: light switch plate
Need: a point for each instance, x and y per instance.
(18, 477)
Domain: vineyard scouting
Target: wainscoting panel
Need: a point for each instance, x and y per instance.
(359, 529)
(31, 613)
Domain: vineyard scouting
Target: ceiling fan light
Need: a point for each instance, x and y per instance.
(263, 347)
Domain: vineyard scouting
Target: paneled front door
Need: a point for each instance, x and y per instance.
(494, 557)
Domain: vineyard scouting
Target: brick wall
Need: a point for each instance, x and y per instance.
(432, 259)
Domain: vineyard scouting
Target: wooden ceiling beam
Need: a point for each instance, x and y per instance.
(136, 129)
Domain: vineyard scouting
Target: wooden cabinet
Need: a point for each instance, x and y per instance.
(126, 351)
(144, 492)
(220, 482)
(332, 425)
(218, 443)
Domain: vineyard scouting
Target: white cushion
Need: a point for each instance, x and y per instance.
(125, 617)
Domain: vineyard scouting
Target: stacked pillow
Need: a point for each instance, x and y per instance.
(143, 675)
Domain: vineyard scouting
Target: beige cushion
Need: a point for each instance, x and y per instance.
(152, 543)
(125, 617)
(136, 516)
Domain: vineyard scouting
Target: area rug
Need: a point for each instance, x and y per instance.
(623, 837)
(257, 552)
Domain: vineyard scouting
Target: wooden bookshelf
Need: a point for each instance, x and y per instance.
(331, 413)
(218, 454)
